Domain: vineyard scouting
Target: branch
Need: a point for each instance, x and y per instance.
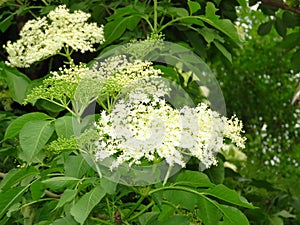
(51, 194)
(281, 5)
(2, 175)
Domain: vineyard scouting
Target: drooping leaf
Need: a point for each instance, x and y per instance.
(9, 197)
(14, 128)
(223, 50)
(83, 207)
(280, 27)
(265, 28)
(67, 196)
(223, 25)
(16, 175)
(17, 82)
(33, 137)
(224, 193)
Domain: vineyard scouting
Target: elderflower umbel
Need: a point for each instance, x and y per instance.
(147, 128)
(44, 37)
(117, 72)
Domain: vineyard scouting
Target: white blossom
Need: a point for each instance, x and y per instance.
(146, 128)
(44, 37)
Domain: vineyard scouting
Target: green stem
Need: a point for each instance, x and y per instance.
(175, 20)
(139, 202)
(155, 17)
(167, 175)
(142, 211)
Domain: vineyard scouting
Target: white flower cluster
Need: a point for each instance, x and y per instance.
(147, 128)
(118, 72)
(43, 37)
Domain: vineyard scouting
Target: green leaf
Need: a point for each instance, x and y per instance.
(290, 20)
(148, 217)
(108, 185)
(114, 29)
(176, 219)
(9, 197)
(75, 166)
(133, 22)
(280, 27)
(14, 176)
(58, 183)
(223, 50)
(83, 207)
(33, 137)
(223, 25)
(233, 216)
(17, 82)
(208, 212)
(193, 6)
(14, 128)
(4, 24)
(224, 193)
(185, 199)
(68, 220)
(64, 126)
(265, 28)
(242, 3)
(295, 61)
(193, 179)
(166, 212)
(67, 196)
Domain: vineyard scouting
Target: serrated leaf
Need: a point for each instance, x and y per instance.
(64, 126)
(224, 193)
(193, 6)
(17, 82)
(223, 50)
(193, 179)
(265, 28)
(14, 128)
(14, 176)
(83, 207)
(67, 196)
(76, 166)
(33, 137)
(295, 60)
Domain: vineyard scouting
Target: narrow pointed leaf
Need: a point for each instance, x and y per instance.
(83, 207)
